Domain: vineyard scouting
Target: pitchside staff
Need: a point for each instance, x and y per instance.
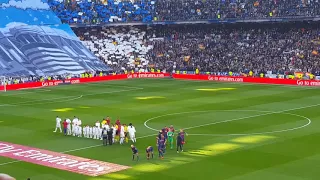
(179, 144)
(104, 136)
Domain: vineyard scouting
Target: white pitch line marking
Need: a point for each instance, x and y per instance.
(78, 149)
(229, 120)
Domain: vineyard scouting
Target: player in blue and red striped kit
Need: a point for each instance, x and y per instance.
(149, 152)
(182, 133)
(161, 143)
(134, 152)
(163, 132)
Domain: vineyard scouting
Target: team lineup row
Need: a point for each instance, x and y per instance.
(100, 130)
(111, 133)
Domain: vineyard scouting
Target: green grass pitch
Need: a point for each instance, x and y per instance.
(236, 131)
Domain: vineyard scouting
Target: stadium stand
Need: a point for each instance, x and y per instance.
(108, 11)
(103, 11)
(216, 49)
(121, 48)
(224, 9)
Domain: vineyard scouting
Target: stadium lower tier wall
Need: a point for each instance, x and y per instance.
(236, 79)
(32, 85)
(257, 80)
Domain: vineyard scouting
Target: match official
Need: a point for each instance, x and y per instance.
(110, 132)
(104, 135)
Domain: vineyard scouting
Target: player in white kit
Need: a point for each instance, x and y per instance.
(132, 133)
(98, 124)
(122, 136)
(74, 125)
(85, 134)
(58, 124)
(100, 133)
(90, 132)
(94, 131)
(99, 130)
(114, 133)
(79, 128)
(69, 126)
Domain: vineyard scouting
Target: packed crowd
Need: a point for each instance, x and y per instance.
(121, 48)
(278, 48)
(107, 11)
(103, 11)
(230, 9)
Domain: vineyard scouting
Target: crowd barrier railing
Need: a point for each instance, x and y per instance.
(255, 80)
(31, 85)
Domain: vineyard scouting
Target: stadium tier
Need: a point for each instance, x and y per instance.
(106, 11)
(121, 48)
(110, 11)
(219, 49)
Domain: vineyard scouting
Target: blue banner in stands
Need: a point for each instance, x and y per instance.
(34, 42)
(44, 50)
(30, 12)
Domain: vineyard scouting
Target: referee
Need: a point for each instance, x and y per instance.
(105, 136)
(110, 132)
(179, 143)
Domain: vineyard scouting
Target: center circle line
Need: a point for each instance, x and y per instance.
(235, 119)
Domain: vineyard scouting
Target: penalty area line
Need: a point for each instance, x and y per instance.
(78, 149)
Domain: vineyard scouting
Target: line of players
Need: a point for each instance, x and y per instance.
(116, 132)
(165, 136)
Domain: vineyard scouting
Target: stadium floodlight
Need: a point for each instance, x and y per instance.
(3, 83)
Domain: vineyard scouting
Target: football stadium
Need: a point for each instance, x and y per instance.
(150, 89)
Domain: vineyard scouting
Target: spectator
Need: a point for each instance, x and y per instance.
(121, 48)
(278, 48)
(108, 11)
(103, 11)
